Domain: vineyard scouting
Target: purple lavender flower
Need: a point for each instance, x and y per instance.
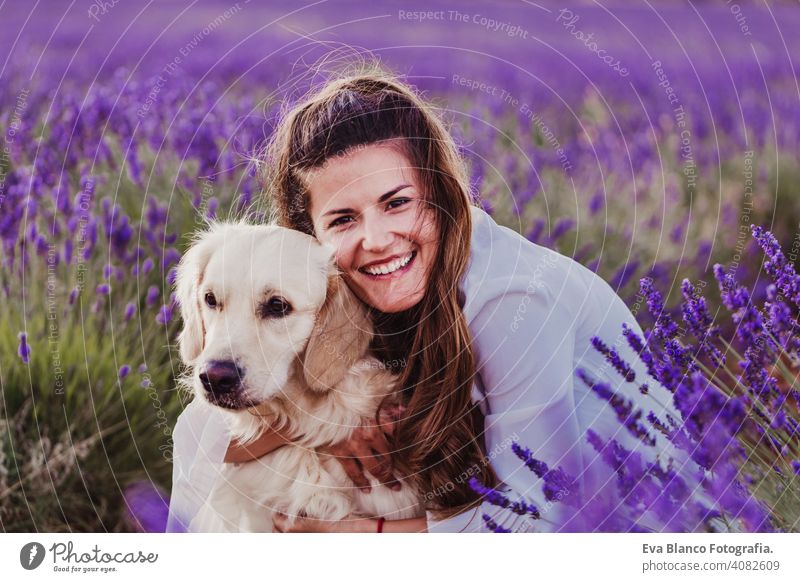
(659, 425)
(67, 253)
(782, 323)
(130, 311)
(211, 211)
(736, 501)
(779, 421)
(493, 526)
(700, 323)
(623, 275)
(643, 487)
(622, 407)
(597, 202)
(152, 295)
(677, 233)
(536, 231)
(665, 327)
(171, 256)
(562, 226)
(147, 266)
(711, 418)
(538, 467)
(147, 507)
(779, 269)
(24, 350)
(557, 484)
(155, 215)
(635, 342)
(134, 165)
(495, 497)
(754, 365)
(164, 315)
(734, 297)
(121, 236)
(613, 357)
(124, 371)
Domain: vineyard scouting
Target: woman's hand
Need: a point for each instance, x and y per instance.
(312, 525)
(368, 450)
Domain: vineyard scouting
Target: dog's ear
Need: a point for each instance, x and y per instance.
(341, 336)
(188, 278)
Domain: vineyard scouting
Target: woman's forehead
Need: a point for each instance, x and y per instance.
(358, 178)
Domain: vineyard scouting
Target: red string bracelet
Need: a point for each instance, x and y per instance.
(380, 524)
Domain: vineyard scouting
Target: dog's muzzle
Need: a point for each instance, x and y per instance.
(222, 381)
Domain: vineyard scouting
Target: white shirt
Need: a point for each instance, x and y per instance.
(532, 313)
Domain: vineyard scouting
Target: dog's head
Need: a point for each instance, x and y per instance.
(260, 303)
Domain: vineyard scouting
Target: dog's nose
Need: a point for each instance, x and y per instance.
(221, 377)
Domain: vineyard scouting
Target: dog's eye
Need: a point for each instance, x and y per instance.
(211, 301)
(275, 307)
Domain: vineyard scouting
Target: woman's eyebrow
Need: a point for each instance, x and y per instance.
(383, 198)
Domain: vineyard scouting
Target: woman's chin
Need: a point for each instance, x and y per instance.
(388, 296)
(393, 308)
(394, 303)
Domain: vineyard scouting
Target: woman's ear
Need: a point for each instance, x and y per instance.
(341, 336)
(188, 278)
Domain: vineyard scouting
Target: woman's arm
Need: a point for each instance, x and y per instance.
(366, 450)
(411, 525)
(362, 525)
(370, 525)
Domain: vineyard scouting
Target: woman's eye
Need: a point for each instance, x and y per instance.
(400, 202)
(337, 222)
(210, 300)
(274, 308)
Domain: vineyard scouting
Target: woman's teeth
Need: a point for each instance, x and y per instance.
(389, 267)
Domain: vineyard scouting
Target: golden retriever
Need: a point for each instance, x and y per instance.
(274, 337)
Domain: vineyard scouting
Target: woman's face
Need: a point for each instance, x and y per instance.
(369, 206)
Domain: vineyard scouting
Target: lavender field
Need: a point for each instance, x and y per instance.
(643, 140)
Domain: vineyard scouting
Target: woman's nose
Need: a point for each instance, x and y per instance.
(376, 234)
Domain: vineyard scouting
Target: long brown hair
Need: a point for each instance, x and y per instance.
(438, 442)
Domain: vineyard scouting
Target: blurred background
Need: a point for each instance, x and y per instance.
(642, 139)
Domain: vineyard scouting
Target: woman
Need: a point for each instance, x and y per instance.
(480, 318)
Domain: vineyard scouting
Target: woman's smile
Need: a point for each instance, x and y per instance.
(386, 270)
